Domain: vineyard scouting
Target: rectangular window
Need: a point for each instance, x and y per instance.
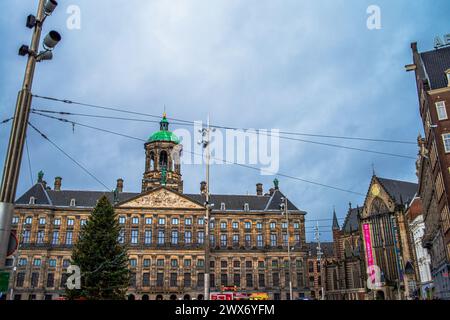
(148, 221)
(50, 280)
(133, 279)
(259, 225)
(224, 279)
(146, 263)
(122, 220)
(235, 240)
(29, 220)
(55, 238)
(23, 262)
(188, 237)
(15, 220)
(276, 279)
(285, 239)
(148, 237)
(300, 280)
(187, 263)
(174, 237)
(237, 279)
(284, 225)
(146, 279)
(248, 240)
(446, 139)
(83, 222)
(134, 236)
(37, 262)
(173, 280)
(133, 263)
(261, 280)
(69, 238)
(42, 221)
(52, 263)
(175, 221)
(66, 263)
(20, 279)
(248, 264)
(297, 239)
(201, 237)
(63, 283)
(223, 240)
(248, 225)
(70, 222)
(122, 236)
(249, 280)
(212, 240)
(273, 225)
(26, 236)
(261, 264)
(223, 264)
(223, 225)
(57, 222)
(187, 280)
(236, 264)
(259, 241)
(160, 279)
(212, 280)
(200, 263)
(188, 221)
(296, 225)
(201, 221)
(200, 280)
(273, 240)
(174, 263)
(161, 237)
(40, 237)
(160, 262)
(161, 221)
(441, 110)
(235, 225)
(135, 220)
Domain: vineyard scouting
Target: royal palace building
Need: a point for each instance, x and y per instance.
(164, 230)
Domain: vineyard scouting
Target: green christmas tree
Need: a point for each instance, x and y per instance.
(103, 261)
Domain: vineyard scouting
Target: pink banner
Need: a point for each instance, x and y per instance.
(369, 253)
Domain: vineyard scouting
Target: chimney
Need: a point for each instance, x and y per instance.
(271, 191)
(259, 189)
(58, 181)
(203, 187)
(119, 185)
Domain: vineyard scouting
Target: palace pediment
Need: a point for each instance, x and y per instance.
(161, 198)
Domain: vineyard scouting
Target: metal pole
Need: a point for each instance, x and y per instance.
(207, 242)
(319, 260)
(16, 259)
(289, 248)
(13, 160)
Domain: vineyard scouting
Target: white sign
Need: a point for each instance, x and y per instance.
(442, 41)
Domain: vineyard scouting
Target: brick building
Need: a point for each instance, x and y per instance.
(165, 232)
(432, 75)
(315, 270)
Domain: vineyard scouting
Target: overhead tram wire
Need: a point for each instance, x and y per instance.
(197, 154)
(39, 111)
(29, 161)
(70, 157)
(66, 101)
(6, 120)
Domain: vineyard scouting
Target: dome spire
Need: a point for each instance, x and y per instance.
(164, 124)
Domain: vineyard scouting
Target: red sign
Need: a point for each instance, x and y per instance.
(224, 296)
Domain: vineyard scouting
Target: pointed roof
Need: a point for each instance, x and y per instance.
(401, 191)
(335, 221)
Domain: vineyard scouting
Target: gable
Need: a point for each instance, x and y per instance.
(161, 198)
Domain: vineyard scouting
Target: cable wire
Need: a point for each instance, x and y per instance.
(68, 156)
(29, 161)
(122, 110)
(6, 120)
(217, 159)
(40, 112)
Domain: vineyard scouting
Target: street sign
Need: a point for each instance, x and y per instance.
(4, 281)
(13, 244)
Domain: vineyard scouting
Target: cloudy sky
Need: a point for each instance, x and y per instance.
(301, 66)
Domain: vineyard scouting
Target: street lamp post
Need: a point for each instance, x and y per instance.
(284, 208)
(20, 122)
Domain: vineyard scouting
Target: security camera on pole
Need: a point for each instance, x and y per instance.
(19, 127)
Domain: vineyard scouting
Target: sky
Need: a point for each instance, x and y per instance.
(301, 66)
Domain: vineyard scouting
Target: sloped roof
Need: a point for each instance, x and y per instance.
(88, 199)
(400, 191)
(327, 248)
(436, 62)
(351, 221)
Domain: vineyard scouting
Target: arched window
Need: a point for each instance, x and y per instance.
(378, 206)
(152, 161)
(163, 159)
(347, 249)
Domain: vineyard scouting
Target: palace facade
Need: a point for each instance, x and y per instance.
(164, 230)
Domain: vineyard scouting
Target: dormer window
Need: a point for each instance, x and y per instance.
(222, 206)
(32, 201)
(246, 207)
(73, 203)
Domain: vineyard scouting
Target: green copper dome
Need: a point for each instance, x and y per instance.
(164, 134)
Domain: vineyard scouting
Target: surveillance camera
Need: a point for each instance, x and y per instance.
(50, 6)
(24, 50)
(51, 40)
(31, 21)
(44, 55)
